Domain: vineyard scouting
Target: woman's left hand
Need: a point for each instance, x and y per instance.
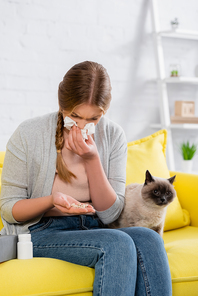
(85, 148)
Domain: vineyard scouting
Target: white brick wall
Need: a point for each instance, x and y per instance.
(41, 39)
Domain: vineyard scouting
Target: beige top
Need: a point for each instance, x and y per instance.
(79, 187)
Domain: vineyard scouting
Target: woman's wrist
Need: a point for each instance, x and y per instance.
(51, 203)
(27, 209)
(93, 160)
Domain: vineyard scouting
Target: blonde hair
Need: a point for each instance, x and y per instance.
(86, 82)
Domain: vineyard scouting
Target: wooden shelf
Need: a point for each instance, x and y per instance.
(190, 80)
(182, 34)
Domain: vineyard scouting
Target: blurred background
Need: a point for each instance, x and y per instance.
(41, 39)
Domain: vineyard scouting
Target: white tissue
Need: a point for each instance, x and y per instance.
(68, 123)
(89, 128)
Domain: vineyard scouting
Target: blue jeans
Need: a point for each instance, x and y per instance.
(128, 261)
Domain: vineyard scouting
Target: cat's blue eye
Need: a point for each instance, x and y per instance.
(168, 193)
(156, 191)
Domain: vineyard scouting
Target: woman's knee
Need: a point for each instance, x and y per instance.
(145, 236)
(120, 248)
(118, 241)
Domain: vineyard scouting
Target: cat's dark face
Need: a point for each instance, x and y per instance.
(158, 191)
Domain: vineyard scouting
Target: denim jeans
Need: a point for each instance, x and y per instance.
(128, 261)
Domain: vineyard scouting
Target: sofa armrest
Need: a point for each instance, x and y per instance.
(186, 186)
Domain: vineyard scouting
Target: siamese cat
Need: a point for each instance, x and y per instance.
(146, 204)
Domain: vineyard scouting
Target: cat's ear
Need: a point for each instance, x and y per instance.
(172, 179)
(148, 178)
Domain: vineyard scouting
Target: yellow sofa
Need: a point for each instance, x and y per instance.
(45, 276)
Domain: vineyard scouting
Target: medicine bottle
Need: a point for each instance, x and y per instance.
(24, 246)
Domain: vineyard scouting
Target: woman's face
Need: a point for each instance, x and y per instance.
(84, 114)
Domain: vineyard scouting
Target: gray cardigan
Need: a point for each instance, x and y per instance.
(30, 164)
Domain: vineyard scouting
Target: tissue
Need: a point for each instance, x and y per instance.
(89, 128)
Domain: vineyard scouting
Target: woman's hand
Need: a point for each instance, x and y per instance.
(69, 205)
(85, 148)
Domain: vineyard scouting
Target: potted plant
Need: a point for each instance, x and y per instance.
(188, 152)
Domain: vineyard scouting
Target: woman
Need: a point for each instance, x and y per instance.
(62, 185)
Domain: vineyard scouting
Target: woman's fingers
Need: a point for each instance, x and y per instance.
(70, 205)
(64, 202)
(84, 148)
(75, 141)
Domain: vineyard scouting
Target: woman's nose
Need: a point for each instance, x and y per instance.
(81, 124)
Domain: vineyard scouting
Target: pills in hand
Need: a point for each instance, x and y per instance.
(83, 206)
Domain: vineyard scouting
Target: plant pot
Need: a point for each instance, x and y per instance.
(187, 166)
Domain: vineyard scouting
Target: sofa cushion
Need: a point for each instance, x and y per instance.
(45, 276)
(181, 246)
(187, 190)
(149, 153)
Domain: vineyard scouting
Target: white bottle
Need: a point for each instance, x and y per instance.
(24, 246)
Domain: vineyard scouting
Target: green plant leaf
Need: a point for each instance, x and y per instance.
(188, 151)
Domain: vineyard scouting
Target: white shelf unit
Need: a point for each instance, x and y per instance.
(178, 126)
(182, 34)
(163, 81)
(189, 80)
